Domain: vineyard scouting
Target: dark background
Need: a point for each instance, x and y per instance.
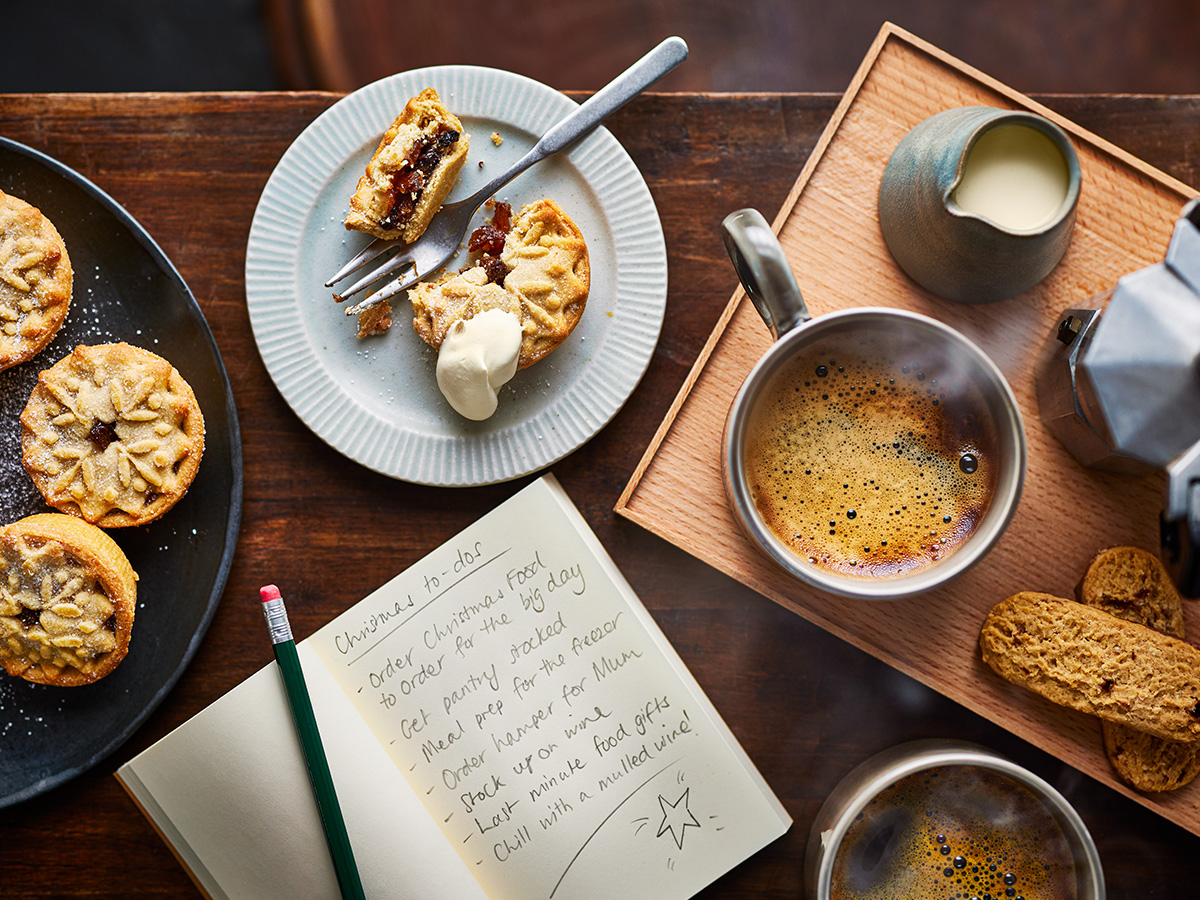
(1036, 46)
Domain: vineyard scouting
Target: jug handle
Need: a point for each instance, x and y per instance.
(763, 271)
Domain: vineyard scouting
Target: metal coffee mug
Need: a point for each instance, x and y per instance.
(871, 778)
(767, 278)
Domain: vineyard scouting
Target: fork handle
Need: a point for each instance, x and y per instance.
(643, 73)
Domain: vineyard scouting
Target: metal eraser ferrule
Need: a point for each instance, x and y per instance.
(277, 621)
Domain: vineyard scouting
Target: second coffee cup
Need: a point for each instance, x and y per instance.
(872, 453)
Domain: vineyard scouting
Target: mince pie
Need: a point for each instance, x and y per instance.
(35, 281)
(67, 600)
(411, 172)
(112, 434)
(537, 268)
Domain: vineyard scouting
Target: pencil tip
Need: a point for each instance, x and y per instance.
(269, 592)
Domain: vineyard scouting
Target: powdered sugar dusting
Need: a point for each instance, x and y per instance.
(124, 290)
(85, 324)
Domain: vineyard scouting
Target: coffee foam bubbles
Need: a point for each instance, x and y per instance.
(869, 457)
(955, 832)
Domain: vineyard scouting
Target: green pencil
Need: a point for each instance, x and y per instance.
(310, 741)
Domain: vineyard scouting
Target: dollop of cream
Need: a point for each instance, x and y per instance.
(478, 356)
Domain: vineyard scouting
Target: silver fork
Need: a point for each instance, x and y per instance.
(445, 233)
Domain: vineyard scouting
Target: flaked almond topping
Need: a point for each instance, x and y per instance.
(125, 431)
(51, 609)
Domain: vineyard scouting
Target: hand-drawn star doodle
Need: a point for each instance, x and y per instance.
(676, 817)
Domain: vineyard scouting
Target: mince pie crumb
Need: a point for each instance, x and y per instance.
(375, 319)
(35, 281)
(412, 171)
(112, 434)
(67, 600)
(538, 269)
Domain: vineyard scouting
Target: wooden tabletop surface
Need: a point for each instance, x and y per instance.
(806, 706)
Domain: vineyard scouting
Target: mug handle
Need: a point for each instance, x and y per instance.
(763, 271)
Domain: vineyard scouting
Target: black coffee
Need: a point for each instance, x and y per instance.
(955, 832)
(870, 460)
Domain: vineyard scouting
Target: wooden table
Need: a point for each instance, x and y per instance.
(806, 706)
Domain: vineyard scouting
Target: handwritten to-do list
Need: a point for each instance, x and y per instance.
(535, 708)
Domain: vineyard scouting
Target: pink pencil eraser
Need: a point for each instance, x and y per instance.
(269, 592)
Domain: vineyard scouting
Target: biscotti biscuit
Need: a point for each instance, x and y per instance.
(1132, 584)
(1088, 660)
(112, 434)
(543, 276)
(1149, 763)
(412, 171)
(35, 281)
(67, 600)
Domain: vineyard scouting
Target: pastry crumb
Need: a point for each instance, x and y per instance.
(496, 139)
(375, 320)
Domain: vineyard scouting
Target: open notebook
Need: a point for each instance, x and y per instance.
(503, 720)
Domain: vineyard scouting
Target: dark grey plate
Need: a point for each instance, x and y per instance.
(125, 290)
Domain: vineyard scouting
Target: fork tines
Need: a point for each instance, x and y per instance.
(384, 293)
(399, 261)
(376, 248)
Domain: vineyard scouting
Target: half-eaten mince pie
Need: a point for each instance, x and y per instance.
(67, 600)
(537, 269)
(35, 281)
(412, 171)
(112, 434)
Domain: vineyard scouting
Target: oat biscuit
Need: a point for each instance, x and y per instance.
(35, 281)
(545, 278)
(67, 600)
(1088, 660)
(412, 171)
(1132, 584)
(112, 434)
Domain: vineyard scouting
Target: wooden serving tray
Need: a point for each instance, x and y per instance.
(829, 229)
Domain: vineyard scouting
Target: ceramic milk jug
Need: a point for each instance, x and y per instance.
(978, 204)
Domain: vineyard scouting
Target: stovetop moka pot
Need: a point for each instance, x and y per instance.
(1120, 388)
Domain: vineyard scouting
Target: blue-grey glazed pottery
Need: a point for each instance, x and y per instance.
(962, 251)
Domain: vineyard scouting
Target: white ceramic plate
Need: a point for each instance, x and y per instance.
(376, 400)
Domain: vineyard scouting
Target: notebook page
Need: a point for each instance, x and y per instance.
(542, 718)
(229, 791)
